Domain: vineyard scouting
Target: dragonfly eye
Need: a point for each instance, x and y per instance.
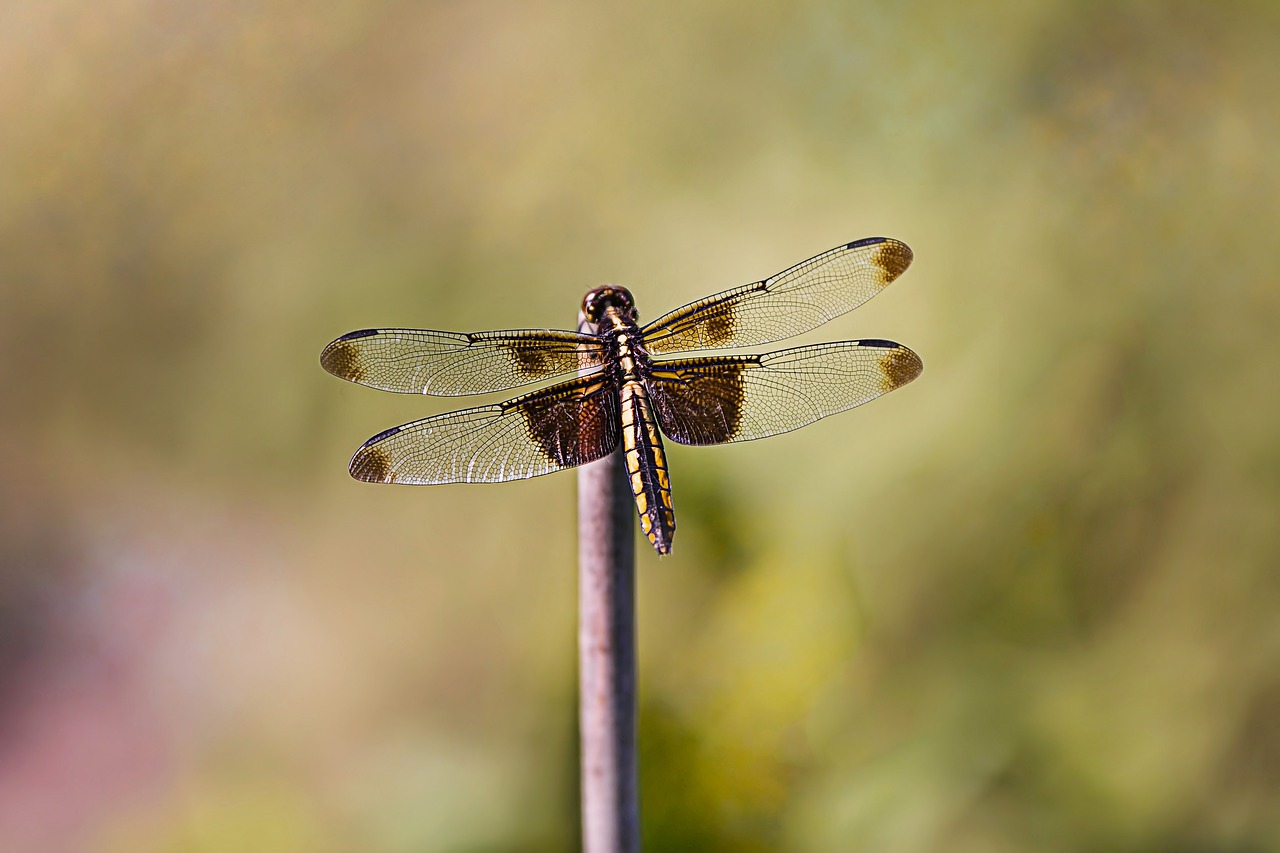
(609, 296)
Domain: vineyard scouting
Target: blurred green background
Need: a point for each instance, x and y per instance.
(1027, 603)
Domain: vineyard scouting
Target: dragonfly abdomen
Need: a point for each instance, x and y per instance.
(647, 466)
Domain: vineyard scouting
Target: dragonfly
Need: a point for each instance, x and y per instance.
(625, 395)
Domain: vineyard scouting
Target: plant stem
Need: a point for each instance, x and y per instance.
(607, 657)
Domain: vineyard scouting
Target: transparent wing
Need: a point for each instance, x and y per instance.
(548, 430)
(719, 399)
(449, 364)
(787, 304)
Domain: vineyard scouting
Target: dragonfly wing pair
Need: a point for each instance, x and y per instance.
(701, 400)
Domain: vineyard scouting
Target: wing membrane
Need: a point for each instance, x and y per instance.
(787, 304)
(720, 399)
(548, 430)
(448, 364)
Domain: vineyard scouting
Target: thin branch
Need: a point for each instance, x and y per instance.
(607, 656)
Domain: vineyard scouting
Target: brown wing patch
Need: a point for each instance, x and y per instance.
(342, 358)
(534, 363)
(572, 429)
(894, 258)
(718, 330)
(899, 366)
(699, 401)
(372, 465)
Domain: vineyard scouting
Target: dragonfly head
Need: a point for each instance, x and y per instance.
(613, 296)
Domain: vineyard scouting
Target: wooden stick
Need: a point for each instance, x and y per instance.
(607, 655)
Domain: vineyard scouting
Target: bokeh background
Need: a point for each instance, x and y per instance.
(1027, 603)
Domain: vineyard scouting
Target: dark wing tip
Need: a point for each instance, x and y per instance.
(342, 358)
(899, 366)
(893, 257)
(371, 463)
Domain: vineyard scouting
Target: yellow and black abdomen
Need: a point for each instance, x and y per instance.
(647, 466)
